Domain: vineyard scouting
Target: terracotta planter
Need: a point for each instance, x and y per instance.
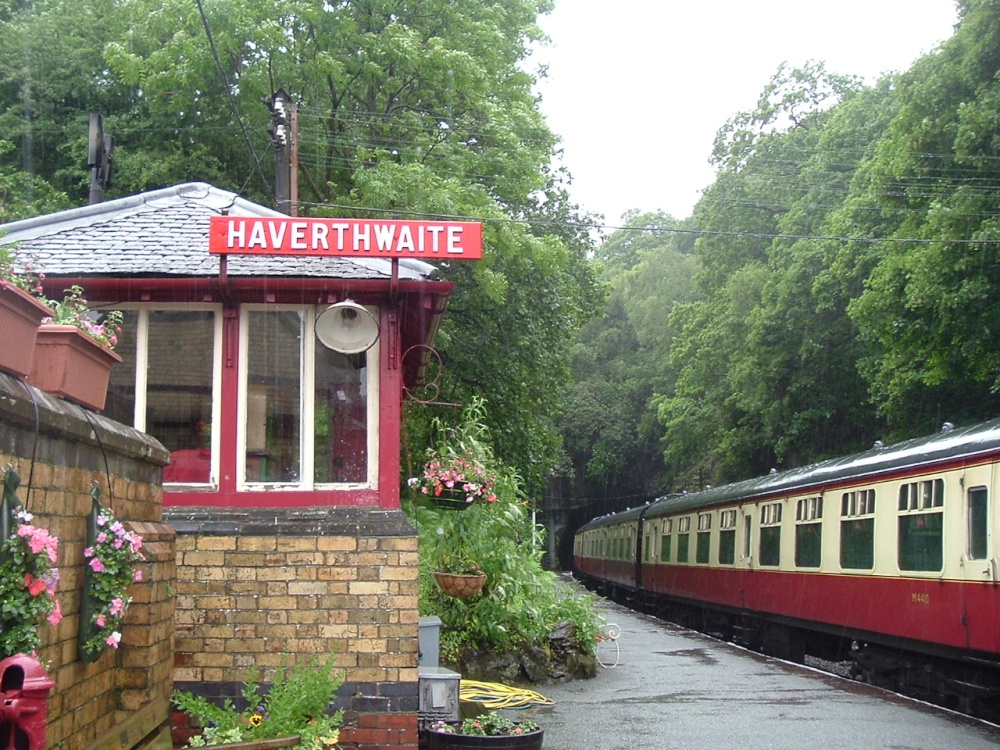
(71, 365)
(459, 585)
(445, 741)
(20, 316)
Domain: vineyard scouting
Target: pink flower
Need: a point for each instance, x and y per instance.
(138, 575)
(102, 538)
(117, 606)
(55, 616)
(96, 564)
(39, 540)
(114, 639)
(101, 620)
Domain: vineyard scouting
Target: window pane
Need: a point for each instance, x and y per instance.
(920, 546)
(727, 547)
(978, 519)
(179, 390)
(120, 405)
(808, 538)
(341, 416)
(274, 396)
(704, 542)
(770, 545)
(682, 548)
(857, 543)
(665, 548)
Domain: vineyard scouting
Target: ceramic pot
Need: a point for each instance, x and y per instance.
(20, 316)
(69, 364)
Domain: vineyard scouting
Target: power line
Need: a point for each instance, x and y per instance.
(229, 95)
(647, 229)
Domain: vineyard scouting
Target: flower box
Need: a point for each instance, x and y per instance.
(71, 365)
(20, 316)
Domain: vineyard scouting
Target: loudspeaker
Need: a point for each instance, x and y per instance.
(347, 327)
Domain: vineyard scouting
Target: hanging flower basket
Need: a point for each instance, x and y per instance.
(71, 365)
(460, 585)
(20, 316)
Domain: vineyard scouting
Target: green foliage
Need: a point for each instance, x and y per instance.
(296, 704)
(610, 429)
(521, 601)
(412, 108)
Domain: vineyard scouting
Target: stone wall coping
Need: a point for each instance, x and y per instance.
(340, 520)
(18, 402)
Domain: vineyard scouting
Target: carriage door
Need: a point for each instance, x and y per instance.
(981, 601)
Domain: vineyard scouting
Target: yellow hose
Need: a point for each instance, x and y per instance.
(493, 695)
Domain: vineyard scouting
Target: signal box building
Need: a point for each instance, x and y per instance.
(283, 424)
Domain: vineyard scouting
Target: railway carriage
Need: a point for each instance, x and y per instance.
(889, 556)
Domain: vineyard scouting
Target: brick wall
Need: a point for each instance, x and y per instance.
(60, 450)
(255, 585)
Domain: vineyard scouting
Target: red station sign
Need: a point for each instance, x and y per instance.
(427, 240)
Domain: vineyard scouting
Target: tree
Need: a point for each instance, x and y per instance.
(406, 109)
(929, 309)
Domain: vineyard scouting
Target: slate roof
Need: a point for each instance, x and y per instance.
(165, 233)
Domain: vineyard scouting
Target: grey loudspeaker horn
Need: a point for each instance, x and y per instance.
(347, 327)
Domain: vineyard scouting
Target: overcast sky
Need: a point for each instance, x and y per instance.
(638, 88)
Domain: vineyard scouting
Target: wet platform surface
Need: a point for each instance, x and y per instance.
(673, 688)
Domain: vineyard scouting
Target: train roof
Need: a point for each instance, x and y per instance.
(625, 515)
(951, 444)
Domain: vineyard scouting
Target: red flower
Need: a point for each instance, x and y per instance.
(35, 586)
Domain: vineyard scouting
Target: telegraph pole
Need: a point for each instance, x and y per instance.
(280, 105)
(100, 156)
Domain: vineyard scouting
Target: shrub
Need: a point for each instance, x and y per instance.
(296, 704)
(521, 602)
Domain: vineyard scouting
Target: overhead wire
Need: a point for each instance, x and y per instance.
(229, 94)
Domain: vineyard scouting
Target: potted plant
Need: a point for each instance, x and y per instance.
(21, 312)
(73, 354)
(292, 713)
(491, 731)
(28, 576)
(110, 567)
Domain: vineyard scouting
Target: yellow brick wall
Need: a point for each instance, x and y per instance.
(58, 465)
(264, 587)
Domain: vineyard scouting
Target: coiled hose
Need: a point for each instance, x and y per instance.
(493, 695)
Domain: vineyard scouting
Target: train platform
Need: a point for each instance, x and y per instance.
(667, 687)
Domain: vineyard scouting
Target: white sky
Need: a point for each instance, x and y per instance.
(638, 88)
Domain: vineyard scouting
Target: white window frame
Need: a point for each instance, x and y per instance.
(307, 408)
(142, 311)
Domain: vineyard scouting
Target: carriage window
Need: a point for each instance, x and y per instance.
(747, 528)
(922, 495)
(808, 532)
(857, 530)
(978, 520)
(683, 535)
(770, 534)
(645, 547)
(921, 533)
(704, 540)
(727, 537)
(668, 528)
